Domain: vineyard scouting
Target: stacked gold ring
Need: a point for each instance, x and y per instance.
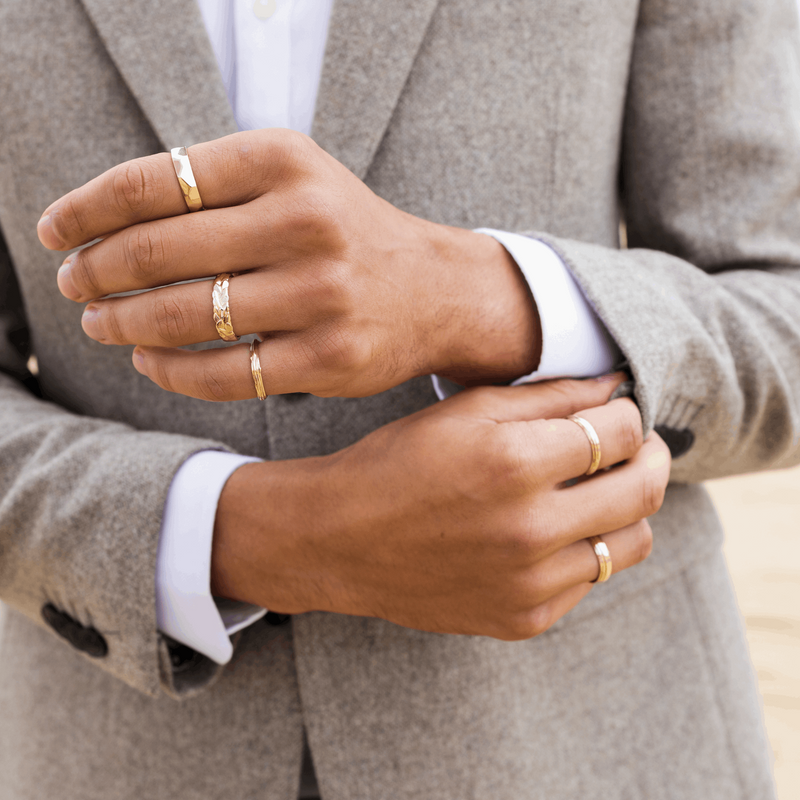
(255, 369)
(594, 441)
(220, 299)
(183, 169)
(603, 558)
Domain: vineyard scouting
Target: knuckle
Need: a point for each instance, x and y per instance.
(113, 326)
(84, 275)
(145, 255)
(630, 428)
(161, 374)
(215, 384)
(337, 351)
(285, 151)
(653, 492)
(169, 319)
(328, 290)
(68, 223)
(644, 540)
(130, 185)
(505, 460)
(528, 624)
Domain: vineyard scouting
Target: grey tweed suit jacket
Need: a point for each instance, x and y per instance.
(559, 116)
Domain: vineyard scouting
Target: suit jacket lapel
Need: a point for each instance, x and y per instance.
(162, 51)
(371, 49)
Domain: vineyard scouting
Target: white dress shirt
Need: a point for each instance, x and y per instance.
(270, 54)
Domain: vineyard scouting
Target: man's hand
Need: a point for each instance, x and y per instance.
(457, 519)
(351, 295)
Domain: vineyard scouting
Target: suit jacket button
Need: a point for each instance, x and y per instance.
(271, 618)
(81, 637)
(679, 441)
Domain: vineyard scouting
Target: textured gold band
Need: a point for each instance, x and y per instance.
(222, 307)
(255, 368)
(603, 558)
(594, 441)
(183, 169)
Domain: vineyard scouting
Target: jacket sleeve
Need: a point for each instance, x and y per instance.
(705, 304)
(81, 502)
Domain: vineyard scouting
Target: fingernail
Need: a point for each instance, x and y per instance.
(47, 235)
(610, 377)
(89, 320)
(138, 361)
(65, 285)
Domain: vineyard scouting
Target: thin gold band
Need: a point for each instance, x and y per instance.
(183, 170)
(255, 368)
(221, 301)
(594, 441)
(603, 558)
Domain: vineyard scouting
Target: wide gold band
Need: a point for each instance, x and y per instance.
(183, 169)
(594, 441)
(255, 368)
(222, 308)
(603, 558)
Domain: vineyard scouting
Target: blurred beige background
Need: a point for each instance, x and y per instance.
(761, 514)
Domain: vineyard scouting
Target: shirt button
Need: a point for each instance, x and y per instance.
(264, 9)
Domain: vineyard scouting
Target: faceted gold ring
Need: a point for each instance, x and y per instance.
(603, 558)
(183, 169)
(222, 307)
(594, 441)
(255, 368)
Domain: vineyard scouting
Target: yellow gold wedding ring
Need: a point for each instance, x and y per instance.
(222, 308)
(183, 169)
(255, 368)
(603, 558)
(594, 441)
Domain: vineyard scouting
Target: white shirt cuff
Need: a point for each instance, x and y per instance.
(185, 609)
(575, 342)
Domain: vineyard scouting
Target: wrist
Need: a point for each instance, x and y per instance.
(491, 333)
(266, 519)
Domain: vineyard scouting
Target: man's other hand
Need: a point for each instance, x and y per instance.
(351, 295)
(463, 518)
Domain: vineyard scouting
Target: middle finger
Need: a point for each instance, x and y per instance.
(174, 249)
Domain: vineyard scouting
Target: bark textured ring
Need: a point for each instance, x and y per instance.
(255, 368)
(222, 308)
(603, 558)
(183, 169)
(594, 441)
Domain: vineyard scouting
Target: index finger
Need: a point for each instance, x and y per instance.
(229, 171)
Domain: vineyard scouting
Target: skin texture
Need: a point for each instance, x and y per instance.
(351, 295)
(467, 517)
(456, 519)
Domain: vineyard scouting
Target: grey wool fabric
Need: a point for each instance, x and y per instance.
(552, 118)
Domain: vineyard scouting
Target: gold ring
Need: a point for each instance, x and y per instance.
(222, 307)
(255, 368)
(603, 558)
(183, 169)
(594, 441)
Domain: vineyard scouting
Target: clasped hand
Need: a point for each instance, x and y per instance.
(462, 518)
(351, 295)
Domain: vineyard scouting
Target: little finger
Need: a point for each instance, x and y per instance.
(223, 374)
(577, 562)
(534, 622)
